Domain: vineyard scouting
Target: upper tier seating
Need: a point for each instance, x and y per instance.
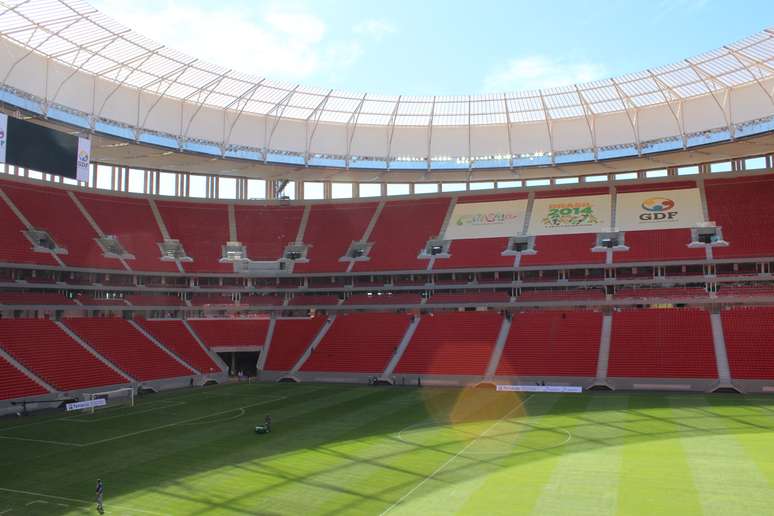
(647, 293)
(469, 297)
(132, 221)
(52, 210)
(562, 295)
(231, 332)
(15, 384)
(480, 252)
(391, 299)
(176, 337)
(154, 300)
(451, 343)
(42, 347)
(552, 343)
(266, 230)
(662, 343)
(127, 348)
(658, 245)
(34, 298)
(14, 246)
(564, 250)
(313, 300)
(359, 343)
(741, 206)
(750, 290)
(202, 230)
(290, 339)
(749, 344)
(261, 300)
(401, 232)
(212, 299)
(329, 232)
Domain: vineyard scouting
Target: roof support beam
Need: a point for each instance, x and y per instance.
(391, 131)
(316, 114)
(724, 104)
(350, 130)
(210, 88)
(508, 130)
(429, 157)
(747, 62)
(243, 98)
(588, 114)
(142, 59)
(269, 134)
(673, 97)
(548, 126)
(629, 106)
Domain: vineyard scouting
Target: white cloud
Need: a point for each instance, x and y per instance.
(280, 42)
(376, 29)
(535, 72)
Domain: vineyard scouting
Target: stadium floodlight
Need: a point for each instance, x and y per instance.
(122, 395)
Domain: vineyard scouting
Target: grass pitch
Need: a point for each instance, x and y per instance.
(374, 450)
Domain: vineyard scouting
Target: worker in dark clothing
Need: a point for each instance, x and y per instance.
(267, 423)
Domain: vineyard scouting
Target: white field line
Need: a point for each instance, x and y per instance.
(178, 423)
(454, 457)
(87, 418)
(26, 439)
(146, 430)
(54, 497)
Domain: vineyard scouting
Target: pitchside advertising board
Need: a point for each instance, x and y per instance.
(565, 215)
(39, 148)
(486, 220)
(663, 209)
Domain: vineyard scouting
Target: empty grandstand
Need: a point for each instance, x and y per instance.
(610, 236)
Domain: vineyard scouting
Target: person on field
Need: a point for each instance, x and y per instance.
(267, 423)
(100, 492)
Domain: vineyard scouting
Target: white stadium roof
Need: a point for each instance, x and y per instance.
(71, 62)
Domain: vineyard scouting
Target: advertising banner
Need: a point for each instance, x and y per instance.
(663, 209)
(83, 159)
(486, 220)
(564, 215)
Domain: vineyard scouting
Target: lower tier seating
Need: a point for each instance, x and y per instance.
(231, 332)
(46, 350)
(451, 343)
(662, 343)
(552, 343)
(749, 345)
(127, 348)
(360, 343)
(176, 337)
(15, 384)
(290, 339)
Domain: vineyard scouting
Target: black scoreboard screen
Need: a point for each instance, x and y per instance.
(42, 149)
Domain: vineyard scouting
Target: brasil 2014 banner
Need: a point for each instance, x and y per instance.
(662, 209)
(565, 215)
(486, 220)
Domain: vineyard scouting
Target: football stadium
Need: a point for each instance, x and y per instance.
(226, 294)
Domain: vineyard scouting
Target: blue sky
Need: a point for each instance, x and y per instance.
(451, 47)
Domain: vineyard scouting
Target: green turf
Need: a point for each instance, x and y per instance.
(369, 450)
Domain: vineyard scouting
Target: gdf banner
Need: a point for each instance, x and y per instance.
(564, 215)
(486, 220)
(662, 209)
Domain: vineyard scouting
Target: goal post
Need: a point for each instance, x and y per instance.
(122, 395)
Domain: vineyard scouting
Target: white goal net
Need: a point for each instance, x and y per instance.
(123, 396)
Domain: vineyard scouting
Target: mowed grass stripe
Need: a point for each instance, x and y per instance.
(655, 477)
(520, 476)
(475, 425)
(251, 471)
(727, 480)
(588, 471)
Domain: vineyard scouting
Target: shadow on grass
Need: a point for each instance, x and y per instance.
(334, 448)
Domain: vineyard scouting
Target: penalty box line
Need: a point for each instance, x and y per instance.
(67, 499)
(456, 455)
(144, 431)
